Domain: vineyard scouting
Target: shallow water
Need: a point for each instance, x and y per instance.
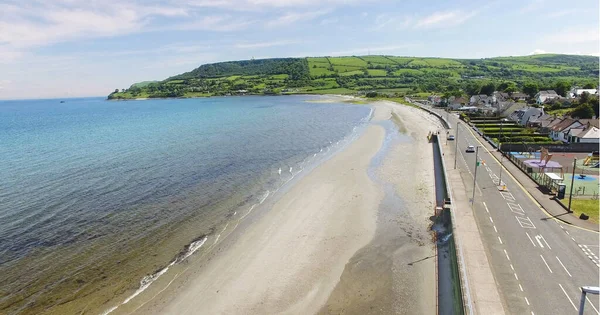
(92, 189)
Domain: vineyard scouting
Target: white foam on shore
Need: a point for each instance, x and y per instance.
(265, 196)
(148, 280)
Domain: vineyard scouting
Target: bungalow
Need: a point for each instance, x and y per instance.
(542, 96)
(576, 92)
(588, 134)
(560, 131)
(500, 96)
(518, 96)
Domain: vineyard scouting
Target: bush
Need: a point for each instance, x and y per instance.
(371, 94)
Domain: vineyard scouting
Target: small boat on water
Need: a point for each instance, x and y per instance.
(62, 101)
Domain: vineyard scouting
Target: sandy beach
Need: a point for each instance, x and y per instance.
(334, 242)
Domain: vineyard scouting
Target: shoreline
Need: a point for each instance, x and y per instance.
(306, 251)
(318, 215)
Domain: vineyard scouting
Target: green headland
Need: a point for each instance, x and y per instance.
(387, 75)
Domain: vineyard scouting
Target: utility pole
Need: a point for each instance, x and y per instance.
(475, 174)
(456, 145)
(572, 182)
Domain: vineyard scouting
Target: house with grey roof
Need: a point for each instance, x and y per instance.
(542, 96)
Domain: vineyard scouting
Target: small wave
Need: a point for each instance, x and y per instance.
(321, 150)
(148, 280)
(291, 169)
(265, 196)
(314, 155)
(217, 239)
(279, 171)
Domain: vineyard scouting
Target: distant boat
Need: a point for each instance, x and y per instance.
(62, 101)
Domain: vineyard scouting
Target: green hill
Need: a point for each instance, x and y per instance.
(353, 74)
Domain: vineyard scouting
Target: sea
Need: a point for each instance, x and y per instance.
(98, 198)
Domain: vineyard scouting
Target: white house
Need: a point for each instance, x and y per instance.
(576, 92)
(560, 131)
(585, 134)
(543, 96)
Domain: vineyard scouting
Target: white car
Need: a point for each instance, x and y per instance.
(470, 148)
(450, 137)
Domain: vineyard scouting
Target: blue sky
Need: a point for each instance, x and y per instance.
(69, 48)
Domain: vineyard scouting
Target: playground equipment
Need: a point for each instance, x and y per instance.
(591, 158)
(545, 155)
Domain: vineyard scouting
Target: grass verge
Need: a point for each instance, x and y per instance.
(587, 206)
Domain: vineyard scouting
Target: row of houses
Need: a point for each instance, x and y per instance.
(565, 129)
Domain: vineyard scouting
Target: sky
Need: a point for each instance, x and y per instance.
(74, 48)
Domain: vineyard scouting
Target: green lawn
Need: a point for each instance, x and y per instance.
(319, 71)
(378, 60)
(342, 69)
(401, 60)
(348, 61)
(317, 59)
(587, 206)
(331, 91)
(355, 72)
(441, 62)
(377, 72)
(402, 72)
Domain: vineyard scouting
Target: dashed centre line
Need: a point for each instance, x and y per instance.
(565, 292)
(563, 266)
(546, 264)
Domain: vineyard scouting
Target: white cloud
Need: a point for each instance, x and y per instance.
(444, 19)
(293, 17)
(329, 21)
(438, 19)
(252, 45)
(576, 35)
(538, 52)
(372, 50)
(561, 13)
(532, 6)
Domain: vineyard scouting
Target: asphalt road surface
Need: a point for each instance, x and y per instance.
(538, 263)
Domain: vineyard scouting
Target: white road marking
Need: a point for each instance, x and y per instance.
(516, 276)
(565, 292)
(495, 229)
(567, 232)
(500, 240)
(486, 208)
(491, 220)
(537, 238)
(546, 263)
(530, 239)
(511, 267)
(543, 239)
(564, 267)
(505, 253)
(525, 222)
(520, 287)
(527, 301)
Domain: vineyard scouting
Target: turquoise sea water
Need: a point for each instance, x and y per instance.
(87, 170)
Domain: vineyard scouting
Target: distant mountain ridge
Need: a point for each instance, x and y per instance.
(351, 74)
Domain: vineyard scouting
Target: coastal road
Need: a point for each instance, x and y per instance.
(538, 262)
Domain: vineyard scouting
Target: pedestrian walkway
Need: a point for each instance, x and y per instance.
(546, 202)
(479, 287)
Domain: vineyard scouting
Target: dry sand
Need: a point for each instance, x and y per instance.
(331, 243)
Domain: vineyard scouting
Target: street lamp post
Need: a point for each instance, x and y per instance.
(500, 177)
(572, 182)
(584, 291)
(456, 145)
(475, 174)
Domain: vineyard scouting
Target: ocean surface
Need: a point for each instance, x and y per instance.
(97, 194)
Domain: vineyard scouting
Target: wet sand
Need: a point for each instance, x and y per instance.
(340, 240)
(395, 272)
